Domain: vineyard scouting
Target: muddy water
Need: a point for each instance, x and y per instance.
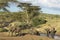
(56, 37)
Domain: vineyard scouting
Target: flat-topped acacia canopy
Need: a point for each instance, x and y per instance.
(24, 4)
(3, 4)
(5, 1)
(28, 5)
(35, 7)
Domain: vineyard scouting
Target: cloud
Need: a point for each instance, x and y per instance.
(51, 3)
(45, 3)
(48, 6)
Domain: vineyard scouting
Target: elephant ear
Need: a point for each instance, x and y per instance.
(16, 23)
(47, 29)
(54, 31)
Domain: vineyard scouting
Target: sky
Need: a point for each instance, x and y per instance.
(48, 6)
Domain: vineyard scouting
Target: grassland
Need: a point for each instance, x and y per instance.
(52, 21)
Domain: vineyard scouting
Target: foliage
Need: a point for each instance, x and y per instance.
(5, 3)
(39, 21)
(7, 17)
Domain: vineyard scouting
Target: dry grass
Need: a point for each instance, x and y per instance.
(50, 24)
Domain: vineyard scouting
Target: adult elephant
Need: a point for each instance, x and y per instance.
(14, 28)
(35, 31)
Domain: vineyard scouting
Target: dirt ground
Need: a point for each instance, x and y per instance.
(26, 37)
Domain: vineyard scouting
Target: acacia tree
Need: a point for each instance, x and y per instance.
(30, 11)
(25, 7)
(33, 11)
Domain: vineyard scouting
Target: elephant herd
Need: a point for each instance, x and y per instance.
(15, 30)
(51, 32)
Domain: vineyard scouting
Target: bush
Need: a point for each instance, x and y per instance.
(38, 21)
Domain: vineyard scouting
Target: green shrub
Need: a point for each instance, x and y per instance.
(38, 21)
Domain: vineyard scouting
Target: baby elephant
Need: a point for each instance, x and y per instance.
(53, 31)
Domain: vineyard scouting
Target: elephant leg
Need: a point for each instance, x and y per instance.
(15, 33)
(18, 33)
(9, 33)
